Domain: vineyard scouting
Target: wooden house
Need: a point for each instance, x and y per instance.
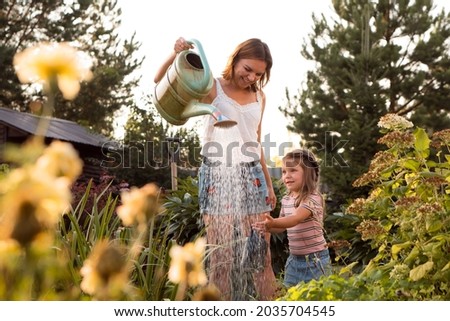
(16, 127)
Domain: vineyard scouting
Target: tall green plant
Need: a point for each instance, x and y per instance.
(80, 231)
(183, 220)
(150, 266)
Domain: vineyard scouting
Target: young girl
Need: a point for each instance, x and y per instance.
(234, 197)
(301, 215)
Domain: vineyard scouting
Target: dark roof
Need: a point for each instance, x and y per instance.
(58, 128)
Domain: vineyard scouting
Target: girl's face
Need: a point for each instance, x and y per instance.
(292, 176)
(248, 71)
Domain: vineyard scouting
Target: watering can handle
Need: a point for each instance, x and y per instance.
(199, 47)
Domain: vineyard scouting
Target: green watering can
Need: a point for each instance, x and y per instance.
(187, 80)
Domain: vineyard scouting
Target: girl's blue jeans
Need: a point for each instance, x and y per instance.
(306, 267)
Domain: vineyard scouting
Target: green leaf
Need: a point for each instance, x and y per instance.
(411, 164)
(187, 198)
(348, 268)
(446, 267)
(422, 143)
(396, 248)
(420, 271)
(430, 174)
(433, 225)
(412, 255)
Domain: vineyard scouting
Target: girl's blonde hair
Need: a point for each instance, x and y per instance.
(250, 49)
(310, 166)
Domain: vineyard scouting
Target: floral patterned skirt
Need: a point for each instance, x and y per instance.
(239, 189)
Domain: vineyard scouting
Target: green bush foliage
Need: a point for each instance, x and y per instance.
(183, 221)
(405, 219)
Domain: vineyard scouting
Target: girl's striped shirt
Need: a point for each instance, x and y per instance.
(306, 237)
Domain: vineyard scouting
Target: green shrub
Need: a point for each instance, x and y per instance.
(182, 221)
(100, 222)
(405, 219)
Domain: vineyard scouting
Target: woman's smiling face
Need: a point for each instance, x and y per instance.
(248, 71)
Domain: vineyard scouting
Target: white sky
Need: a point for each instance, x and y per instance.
(220, 25)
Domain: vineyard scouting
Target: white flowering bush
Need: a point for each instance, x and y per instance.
(405, 218)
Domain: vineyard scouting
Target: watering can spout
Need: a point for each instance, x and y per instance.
(195, 108)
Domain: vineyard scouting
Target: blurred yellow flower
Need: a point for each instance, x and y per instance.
(278, 161)
(48, 62)
(208, 293)
(105, 271)
(60, 159)
(139, 205)
(9, 253)
(186, 264)
(31, 202)
(26, 153)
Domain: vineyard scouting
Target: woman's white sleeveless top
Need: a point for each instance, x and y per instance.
(247, 116)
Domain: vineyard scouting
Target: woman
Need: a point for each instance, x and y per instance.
(235, 189)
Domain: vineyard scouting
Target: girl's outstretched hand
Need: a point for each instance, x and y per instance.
(263, 226)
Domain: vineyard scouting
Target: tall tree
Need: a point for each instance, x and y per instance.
(92, 27)
(372, 58)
